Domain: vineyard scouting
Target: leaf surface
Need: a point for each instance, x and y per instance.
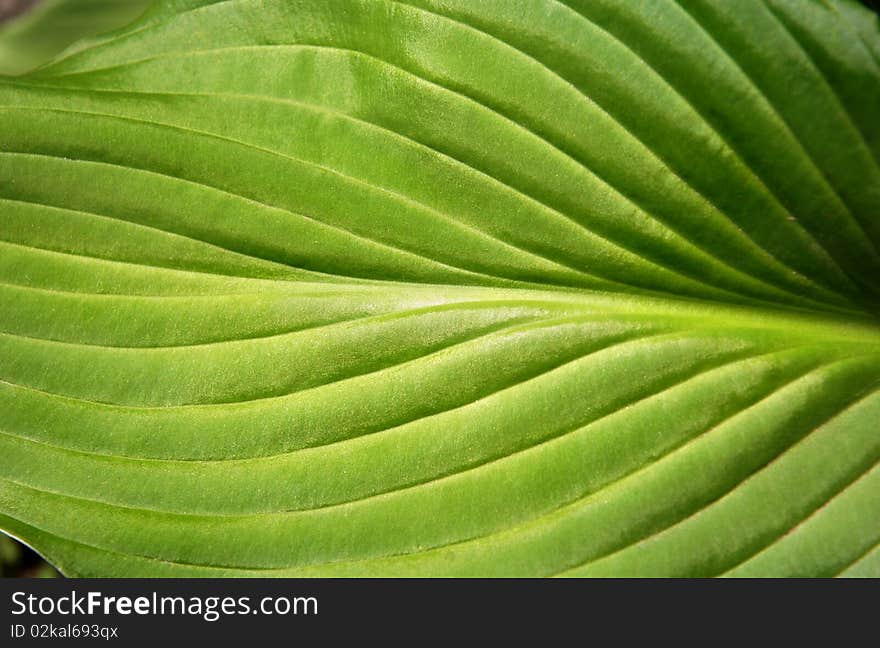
(443, 288)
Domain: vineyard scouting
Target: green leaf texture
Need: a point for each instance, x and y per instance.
(447, 288)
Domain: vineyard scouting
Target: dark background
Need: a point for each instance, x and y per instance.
(9, 8)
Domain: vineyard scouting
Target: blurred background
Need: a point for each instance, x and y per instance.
(9, 8)
(18, 561)
(33, 32)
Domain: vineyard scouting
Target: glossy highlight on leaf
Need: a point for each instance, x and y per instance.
(446, 288)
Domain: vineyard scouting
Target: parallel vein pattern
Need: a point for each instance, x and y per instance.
(444, 288)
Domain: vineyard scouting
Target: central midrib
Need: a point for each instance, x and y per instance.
(861, 327)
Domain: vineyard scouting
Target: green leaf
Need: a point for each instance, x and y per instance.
(446, 288)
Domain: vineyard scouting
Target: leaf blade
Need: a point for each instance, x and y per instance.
(369, 308)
